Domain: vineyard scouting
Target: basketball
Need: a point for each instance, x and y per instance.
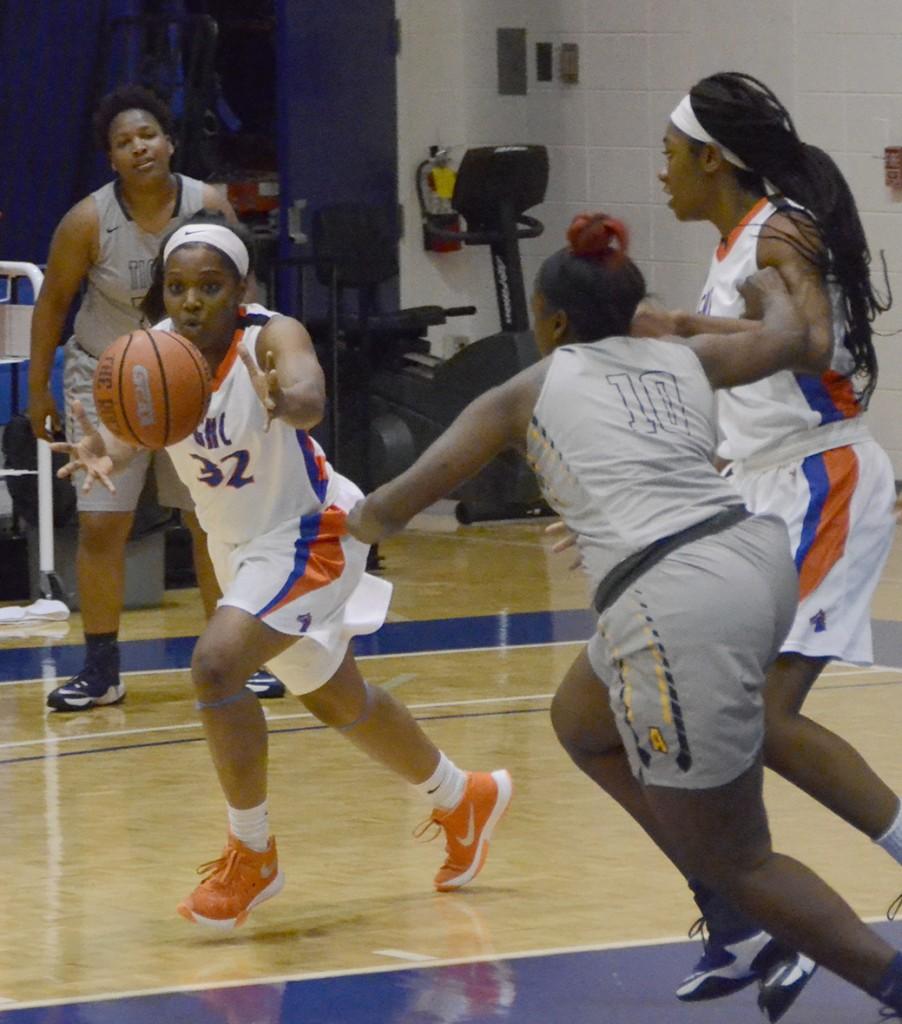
(151, 388)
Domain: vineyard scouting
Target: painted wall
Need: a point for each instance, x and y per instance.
(836, 64)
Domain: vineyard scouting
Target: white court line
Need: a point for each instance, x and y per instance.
(402, 954)
(270, 718)
(274, 718)
(165, 671)
(399, 680)
(280, 979)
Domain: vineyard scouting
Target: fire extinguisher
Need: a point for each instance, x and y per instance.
(435, 186)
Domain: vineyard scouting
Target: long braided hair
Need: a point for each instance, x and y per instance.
(745, 116)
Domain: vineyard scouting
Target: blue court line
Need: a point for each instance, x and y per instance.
(514, 629)
(504, 630)
(626, 985)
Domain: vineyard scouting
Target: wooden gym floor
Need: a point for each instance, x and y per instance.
(107, 813)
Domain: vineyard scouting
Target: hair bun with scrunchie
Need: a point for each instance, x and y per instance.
(598, 237)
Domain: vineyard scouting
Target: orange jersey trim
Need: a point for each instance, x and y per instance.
(726, 244)
(841, 393)
(222, 371)
(832, 532)
(326, 561)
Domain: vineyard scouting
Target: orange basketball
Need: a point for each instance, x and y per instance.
(151, 388)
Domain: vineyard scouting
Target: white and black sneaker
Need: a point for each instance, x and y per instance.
(727, 967)
(783, 984)
(81, 693)
(265, 685)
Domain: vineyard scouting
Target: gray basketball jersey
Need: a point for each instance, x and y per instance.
(621, 441)
(118, 281)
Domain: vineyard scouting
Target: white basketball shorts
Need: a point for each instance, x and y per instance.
(839, 508)
(306, 578)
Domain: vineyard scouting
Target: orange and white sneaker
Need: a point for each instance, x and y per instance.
(241, 879)
(469, 827)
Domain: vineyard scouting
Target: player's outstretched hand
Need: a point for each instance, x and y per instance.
(265, 381)
(89, 455)
(564, 539)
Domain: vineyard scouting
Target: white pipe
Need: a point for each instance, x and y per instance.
(12, 268)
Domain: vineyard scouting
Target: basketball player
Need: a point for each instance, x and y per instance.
(107, 243)
(294, 586)
(664, 708)
(797, 442)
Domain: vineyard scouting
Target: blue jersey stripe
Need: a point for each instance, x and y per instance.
(818, 398)
(309, 529)
(254, 319)
(819, 484)
(306, 446)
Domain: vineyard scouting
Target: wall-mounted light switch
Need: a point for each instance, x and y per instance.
(570, 63)
(544, 62)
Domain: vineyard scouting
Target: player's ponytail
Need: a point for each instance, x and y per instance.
(743, 115)
(593, 280)
(596, 236)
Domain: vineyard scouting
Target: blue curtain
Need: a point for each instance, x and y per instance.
(48, 67)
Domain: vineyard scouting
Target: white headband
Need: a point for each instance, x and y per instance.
(216, 235)
(683, 117)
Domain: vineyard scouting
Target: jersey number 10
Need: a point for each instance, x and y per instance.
(652, 401)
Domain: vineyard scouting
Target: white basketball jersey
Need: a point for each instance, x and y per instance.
(621, 441)
(244, 480)
(118, 281)
(761, 416)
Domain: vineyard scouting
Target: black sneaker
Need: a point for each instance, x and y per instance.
(80, 694)
(727, 967)
(265, 685)
(784, 984)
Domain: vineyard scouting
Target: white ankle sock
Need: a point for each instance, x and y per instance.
(891, 840)
(251, 826)
(445, 786)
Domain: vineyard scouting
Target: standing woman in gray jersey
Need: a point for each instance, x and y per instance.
(107, 244)
(663, 709)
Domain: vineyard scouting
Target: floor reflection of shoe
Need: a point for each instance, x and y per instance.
(265, 685)
(245, 1004)
(34, 627)
(468, 827)
(80, 693)
(727, 967)
(240, 880)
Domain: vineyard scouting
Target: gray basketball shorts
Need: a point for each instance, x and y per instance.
(684, 652)
(78, 382)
